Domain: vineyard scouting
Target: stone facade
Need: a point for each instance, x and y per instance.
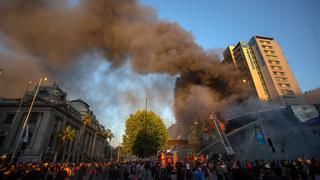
(51, 113)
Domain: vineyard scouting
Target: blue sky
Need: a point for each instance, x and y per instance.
(219, 23)
(114, 94)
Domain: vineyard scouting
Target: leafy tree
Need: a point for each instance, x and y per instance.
(108, 135)
(145, 133)
(86, 120)
(67, 134)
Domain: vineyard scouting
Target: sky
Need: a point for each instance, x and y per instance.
(215, 24)
(295, 24)
(115, 93)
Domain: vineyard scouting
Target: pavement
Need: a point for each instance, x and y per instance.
(212, 177)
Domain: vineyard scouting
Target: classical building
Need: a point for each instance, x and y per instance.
(268, 72)
(50, 115)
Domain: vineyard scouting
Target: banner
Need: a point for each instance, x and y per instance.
(259, 136)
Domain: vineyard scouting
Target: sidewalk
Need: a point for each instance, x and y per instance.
(212, 177)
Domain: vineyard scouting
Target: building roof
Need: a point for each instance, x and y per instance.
(263, 37)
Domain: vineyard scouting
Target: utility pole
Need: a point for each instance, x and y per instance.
(118, 153)
(146, 110)
(27, 118)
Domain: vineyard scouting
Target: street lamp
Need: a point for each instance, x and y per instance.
(27, 117)
(21, 102)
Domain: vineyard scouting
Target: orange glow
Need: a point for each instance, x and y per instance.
(222, 125)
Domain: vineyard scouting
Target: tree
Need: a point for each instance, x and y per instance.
(108, 135)
(67, 134)
(145, 134)
(86, 120)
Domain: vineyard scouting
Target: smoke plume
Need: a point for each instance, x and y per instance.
(56, 36)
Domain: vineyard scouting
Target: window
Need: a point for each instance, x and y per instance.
(2, 137)
(259, 54)
(264, 42)
(284, 85)
(33, 120)
(287, 93)
(9, 119)
(279, 73)
(276, 67)
(282, 79)
(274, 62)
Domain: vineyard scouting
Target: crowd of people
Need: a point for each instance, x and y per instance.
(149, 170)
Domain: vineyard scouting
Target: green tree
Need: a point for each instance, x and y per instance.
(65, 135)
(145, 133)
(107, 133)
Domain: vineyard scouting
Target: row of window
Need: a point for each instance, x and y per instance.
(265, 42)
(32, 119)
(269, 52)
(267, 47)
(253, 64)
(259, 54)
(279, 73)
(276, 67)
(287, 93)
(272, 57)
(284, 85)
(274, 62)
(281, 79)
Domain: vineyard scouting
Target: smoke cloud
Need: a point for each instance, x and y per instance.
(62, 40)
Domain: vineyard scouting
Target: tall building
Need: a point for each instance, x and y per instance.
(51, 113)
(268, 72)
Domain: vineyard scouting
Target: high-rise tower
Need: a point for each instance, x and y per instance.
(267, 70)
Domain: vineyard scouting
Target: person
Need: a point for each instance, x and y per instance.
(126, 171)
(219, 172)
(197, 173)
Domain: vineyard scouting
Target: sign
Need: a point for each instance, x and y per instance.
(305, 112)
(259, 136)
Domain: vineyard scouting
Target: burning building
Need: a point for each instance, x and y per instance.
(267, 71)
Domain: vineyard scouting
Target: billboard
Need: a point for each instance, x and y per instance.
(305, 112)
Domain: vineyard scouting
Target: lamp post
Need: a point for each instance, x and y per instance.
(19, 108)
(27, 118)
(256, 110)
(21, 102)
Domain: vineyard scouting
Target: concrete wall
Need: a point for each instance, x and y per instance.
(289, 136)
